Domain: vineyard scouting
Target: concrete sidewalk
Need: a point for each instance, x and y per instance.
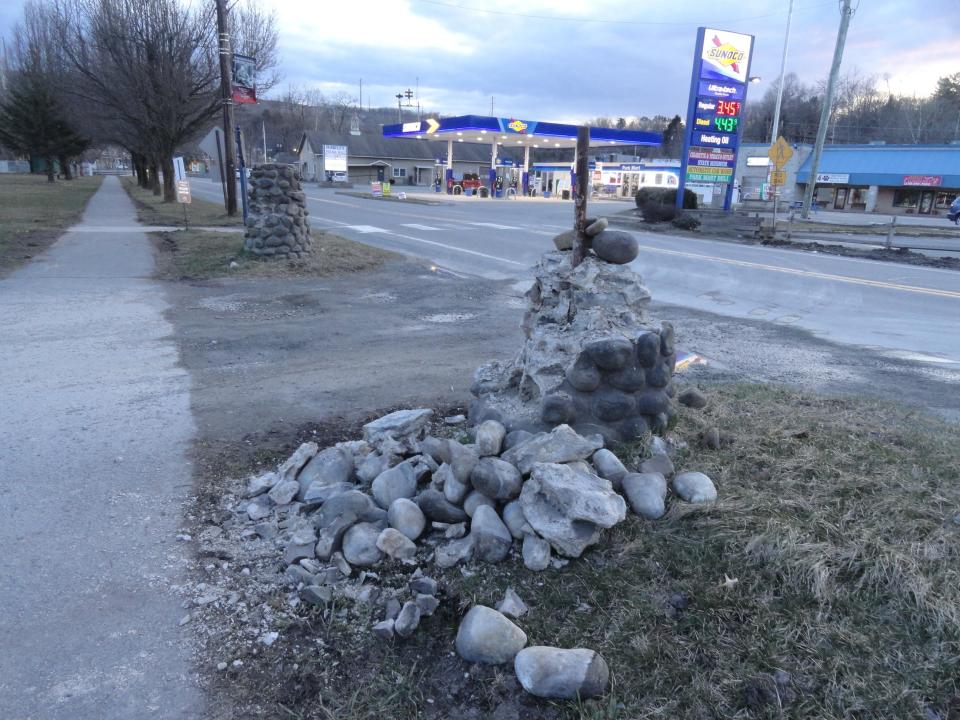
(94, 425)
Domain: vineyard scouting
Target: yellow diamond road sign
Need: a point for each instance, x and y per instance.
(780, 153)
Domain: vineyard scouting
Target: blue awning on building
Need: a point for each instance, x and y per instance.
(890, 165)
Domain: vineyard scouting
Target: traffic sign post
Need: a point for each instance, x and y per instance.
(184, 198)
(779, 153)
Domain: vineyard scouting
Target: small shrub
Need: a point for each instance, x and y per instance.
(665, 196)
(685, 221)
(654, 212)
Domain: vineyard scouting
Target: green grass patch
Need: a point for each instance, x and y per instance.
(34, 213)
(151, 210)
(825, 583)
(199, 255)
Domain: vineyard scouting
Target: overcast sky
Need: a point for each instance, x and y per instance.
(575, 59)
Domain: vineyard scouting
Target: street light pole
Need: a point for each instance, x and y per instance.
(775, 131)
(226, 92)
(846, 12)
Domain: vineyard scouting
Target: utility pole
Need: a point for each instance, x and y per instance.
(775, 131)
(581, 168)
(846, 12)
(263, 128)
(226, 92)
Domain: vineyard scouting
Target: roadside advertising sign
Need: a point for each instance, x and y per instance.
(833, 178)
(244, 71)
(718, 92)
(922, 180)
(335, 158)
(183, 192)
(376, 188)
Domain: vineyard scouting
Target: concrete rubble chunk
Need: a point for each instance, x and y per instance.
(567, 508)
(260, 507)
(487, 636)
(647, 493)
(384, 629)
(283, 492)
(259, 484)
(408, 620)
(453, 490)
(423, 585)
(694, 487)
(359, 504)
(491, 538)
(292, 465)
(319, 493)
(428, 604)
(454, 552)
(403, 427)
(330, 538)
(316, 594)
(462, 460)
(549, 672)
(560, 445)
(536, 553)
(512, 605)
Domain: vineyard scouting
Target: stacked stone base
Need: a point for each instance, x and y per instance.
(589, 359)
(277, 224)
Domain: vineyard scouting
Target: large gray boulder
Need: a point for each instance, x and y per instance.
(536, 553)
(397, 482)
(491, 538)
(609, 467)
(515, 521)
(496, 478)
(568, 508)
(647, 493)
(328, 467)
(355, 502)
(616, 246)
(330, 538)
(292, 465)
(487, 636)
(549, 672)
(561, 445)
(453, 490)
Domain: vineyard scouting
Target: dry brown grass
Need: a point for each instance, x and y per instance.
(151, 210)
(198, 255)
(33, 214)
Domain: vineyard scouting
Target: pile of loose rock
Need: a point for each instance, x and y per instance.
(402, 496)
(277, 223)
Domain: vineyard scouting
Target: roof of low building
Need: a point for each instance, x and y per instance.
(375, 146)
(888, 164)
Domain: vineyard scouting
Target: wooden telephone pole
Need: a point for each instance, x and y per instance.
(226, 92)
(580, 201)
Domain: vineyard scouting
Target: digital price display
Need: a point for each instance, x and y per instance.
(728, 108)
(725, 124)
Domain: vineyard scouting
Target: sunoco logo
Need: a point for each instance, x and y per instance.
(725, 54)
(518, 126)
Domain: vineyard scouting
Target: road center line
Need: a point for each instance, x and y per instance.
(457, 249)
(809, 273)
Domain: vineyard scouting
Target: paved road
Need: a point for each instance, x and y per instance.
(903, 311)
(94, 425)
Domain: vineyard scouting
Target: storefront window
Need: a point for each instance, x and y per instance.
(944, 199)
(906, 198)
(858, 198)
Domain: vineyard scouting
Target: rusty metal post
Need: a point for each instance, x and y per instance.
(580, 201)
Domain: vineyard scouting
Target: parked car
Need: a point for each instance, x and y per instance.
(339, 177)
(953, 214)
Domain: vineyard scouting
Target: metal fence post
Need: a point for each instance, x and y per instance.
(891, 231)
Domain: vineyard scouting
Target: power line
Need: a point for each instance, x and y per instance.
(607, 21)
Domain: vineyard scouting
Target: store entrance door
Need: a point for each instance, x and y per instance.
(840, 199)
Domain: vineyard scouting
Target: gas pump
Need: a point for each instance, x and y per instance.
(498, 186)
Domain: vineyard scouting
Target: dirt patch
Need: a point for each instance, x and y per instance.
(822, 584)
(34, 213)
(202, 255)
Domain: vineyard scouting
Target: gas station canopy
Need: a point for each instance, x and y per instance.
(512, 132)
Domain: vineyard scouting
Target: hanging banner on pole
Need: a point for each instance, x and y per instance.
(244, 79)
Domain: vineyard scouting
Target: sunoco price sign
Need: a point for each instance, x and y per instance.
(718, 92)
